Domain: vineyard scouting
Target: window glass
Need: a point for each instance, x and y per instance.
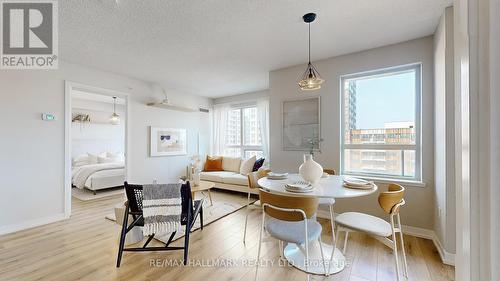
(251, 127)
(233, 136)
(379, 121)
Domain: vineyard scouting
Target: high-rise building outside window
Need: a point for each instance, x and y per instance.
(243, 134)
(381, 123)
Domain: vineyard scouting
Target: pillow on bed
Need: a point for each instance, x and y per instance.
(81, 160)
(92, 158)
(117, 157)
(102, 160)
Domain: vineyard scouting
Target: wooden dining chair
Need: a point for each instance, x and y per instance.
(331, 172)
(390, 201)
(253, 177)
(290, 221)
(329, 202)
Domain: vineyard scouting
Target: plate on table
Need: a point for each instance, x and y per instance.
(277, 176)
(356, 183)
(299, 187)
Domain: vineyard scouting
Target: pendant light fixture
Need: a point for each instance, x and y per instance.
(115, 118)
(311, 80)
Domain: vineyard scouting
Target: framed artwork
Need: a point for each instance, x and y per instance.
(168, 141)
(301, 124)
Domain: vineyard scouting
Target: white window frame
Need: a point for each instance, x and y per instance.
(417, 147)
(243, 148)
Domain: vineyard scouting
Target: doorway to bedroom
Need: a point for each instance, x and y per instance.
(96, 137)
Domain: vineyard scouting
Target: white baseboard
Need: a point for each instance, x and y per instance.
(31, 223)
(446, 257)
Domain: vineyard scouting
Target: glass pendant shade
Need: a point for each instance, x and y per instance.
(310, 79)
(115, 118)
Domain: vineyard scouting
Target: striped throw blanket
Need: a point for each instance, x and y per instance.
(161, 205)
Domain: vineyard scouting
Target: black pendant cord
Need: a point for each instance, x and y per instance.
(309, 42)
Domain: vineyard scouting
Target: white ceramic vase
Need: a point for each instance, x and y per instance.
(310, 170)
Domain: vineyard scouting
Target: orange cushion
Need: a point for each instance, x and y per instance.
(213, 164)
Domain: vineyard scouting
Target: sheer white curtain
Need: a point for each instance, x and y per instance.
(263, 114)
(219, 125)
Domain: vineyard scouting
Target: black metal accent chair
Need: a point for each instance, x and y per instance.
(190, 211)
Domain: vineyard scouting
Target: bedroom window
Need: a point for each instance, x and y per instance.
(243, 133)
(381, 123)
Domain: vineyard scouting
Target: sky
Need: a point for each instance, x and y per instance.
(385, 99)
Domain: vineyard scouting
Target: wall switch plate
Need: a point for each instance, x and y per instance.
(48, 117)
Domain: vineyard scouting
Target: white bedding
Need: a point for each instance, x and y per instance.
(81, 176)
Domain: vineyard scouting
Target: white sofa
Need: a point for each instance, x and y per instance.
(232, 178)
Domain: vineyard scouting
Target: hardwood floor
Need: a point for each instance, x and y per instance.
(85, 246)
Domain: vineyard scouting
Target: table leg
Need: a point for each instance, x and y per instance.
(296, 256)
(210, 196)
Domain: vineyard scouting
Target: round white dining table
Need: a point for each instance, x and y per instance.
(326, 187)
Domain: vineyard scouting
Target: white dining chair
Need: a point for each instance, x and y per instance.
(390, 201)
(290, 220)
(253, 177)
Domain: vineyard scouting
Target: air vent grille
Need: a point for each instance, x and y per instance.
(204, 109)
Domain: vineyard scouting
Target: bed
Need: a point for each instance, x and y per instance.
(98, 176)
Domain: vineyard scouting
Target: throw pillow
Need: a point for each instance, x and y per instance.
(117, 157)
(93, 158)
(231, 164)
(213, 164)
(258, 164)
(247, 165)
(81, 160)
(102, 160)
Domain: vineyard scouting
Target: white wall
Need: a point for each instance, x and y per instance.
(99, 135)
(283, 85)
(444, 132)
(243, 97)
(32, 150)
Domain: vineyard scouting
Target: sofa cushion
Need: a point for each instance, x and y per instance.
(258, 164)
(237, 179)
(247, 165)
(215, 176)
(213, 164)
(231, 164)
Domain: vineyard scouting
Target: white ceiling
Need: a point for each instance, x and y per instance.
(217, 48)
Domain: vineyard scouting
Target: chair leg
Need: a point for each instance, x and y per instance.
(149, 240)
(332, 223)
(395, 247)
(333, 250)
(189, 224)
(246, 218)
(122, 236)
(170, 238)
(345, 241)
(201, 218)
(186, 243)
(260, 244)
(403, 247)
(210, 196)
